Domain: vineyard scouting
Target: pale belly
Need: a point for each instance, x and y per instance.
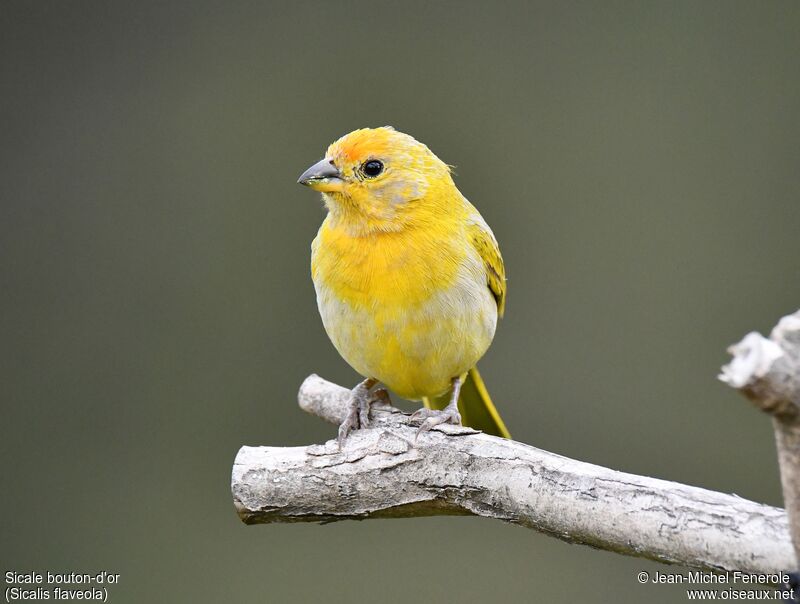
(415, 350)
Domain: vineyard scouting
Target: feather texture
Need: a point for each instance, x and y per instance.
(409, 277)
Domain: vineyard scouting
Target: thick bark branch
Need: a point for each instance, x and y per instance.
(767, 371)
(384, 472)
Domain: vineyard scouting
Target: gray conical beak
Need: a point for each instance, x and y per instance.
(322, 171)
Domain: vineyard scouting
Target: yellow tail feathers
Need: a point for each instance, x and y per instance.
(475, 406)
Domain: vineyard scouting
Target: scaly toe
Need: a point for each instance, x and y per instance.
(423, 413)
(349, 424)
(358, 414)
(363, 413)
(433, 418)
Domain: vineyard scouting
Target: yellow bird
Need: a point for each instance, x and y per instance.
(409, 278)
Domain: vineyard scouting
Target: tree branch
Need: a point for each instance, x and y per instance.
(767, 371)
(383, 472)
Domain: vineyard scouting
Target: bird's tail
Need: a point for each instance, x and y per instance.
(474, 404)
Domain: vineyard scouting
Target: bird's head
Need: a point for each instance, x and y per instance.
(379, 178)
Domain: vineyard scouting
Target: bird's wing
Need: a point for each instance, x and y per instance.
(485, 244)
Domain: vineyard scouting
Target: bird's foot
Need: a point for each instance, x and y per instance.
(434, 417)
(360, 400)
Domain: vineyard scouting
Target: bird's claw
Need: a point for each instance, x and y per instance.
(350, 423)
(434, 417)
(358, 415)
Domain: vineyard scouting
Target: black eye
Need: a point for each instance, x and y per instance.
(372, 168)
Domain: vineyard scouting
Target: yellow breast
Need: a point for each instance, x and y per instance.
(410, 308)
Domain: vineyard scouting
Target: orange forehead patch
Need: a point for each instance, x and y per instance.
(364, 143)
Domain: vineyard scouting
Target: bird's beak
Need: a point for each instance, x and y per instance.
(322, 176)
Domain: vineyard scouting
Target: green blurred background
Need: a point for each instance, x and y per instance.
(638, 162)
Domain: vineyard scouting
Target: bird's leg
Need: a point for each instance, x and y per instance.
(434, 417)
(358, 416)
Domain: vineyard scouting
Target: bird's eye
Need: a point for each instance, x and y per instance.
(372, 168)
